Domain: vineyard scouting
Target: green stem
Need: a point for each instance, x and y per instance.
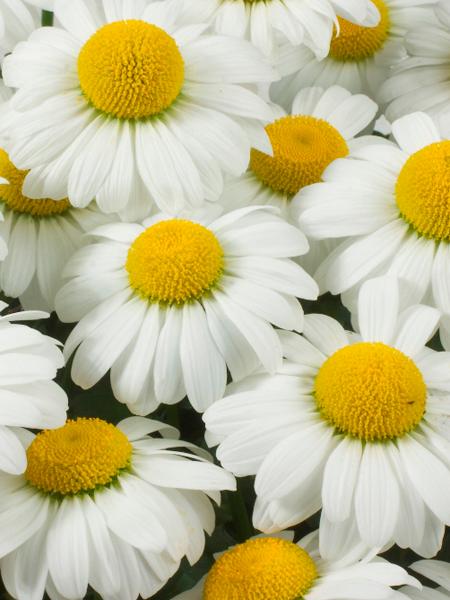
(241, 520)
(47, 18)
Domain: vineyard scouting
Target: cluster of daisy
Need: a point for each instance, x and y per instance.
(179, 182)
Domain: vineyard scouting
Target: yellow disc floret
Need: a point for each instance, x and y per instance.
(423, 191)
(79, 457)
(261, 569)
(174, 262)
(11, 193)
(356, 43)
(131, 69)
(303, 146)
(371, 391)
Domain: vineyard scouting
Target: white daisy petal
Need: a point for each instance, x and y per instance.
(359, 260)
(97, 353)
(272, 479)
(237, 352)
(19, 266)
(89, 171)
(325, 333)
(13, 458)
(416, 326)
(67, 549)
(167, 369)
(257, 332)
(196, 344)
(436, 570)
(339, 479)
(440, 287)
(129, 372)
(22, 520)
(77, 18)
(415, 131)
(378, 309)
(429, 476)
(377, 497)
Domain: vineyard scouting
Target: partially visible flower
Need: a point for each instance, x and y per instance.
(320, 127)
(421, 82)
(266, 22)
(389, 203)
(355, 424)
(29, 361)
(170, 304)
(360, 57)
(128, 104)
(41, 235)
(115, 508)
(435, 570)
(269, 568)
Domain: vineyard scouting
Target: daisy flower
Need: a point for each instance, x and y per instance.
(422, 81)
(437, 571)
(319, 129)
(29, 398)
(41, 235)
(113, 507)
(170, 304)
(127, 100)
(276, 567)
(359, 58)
(296, 21)
(391, 203)
(350, 423)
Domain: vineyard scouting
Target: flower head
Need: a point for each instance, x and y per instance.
(115, 507)
(174, 302)
(269, 567)
(360, 55)
(395, 217)
(132, 106)
(354, 423)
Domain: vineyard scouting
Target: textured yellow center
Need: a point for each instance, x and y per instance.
(261, 569)
(423, 191)
(130, 69)
(371, 391)
(78, 457)
(303, 147)
(174, 262)
(11, 193)
(355, 43)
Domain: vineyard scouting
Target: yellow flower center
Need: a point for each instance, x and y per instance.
(303, 147)
(11, 193)
(131, 69)
(371, 391)
(174, 262)
(261, 569)
(423, 191)
(356, 43)
(78, 457)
